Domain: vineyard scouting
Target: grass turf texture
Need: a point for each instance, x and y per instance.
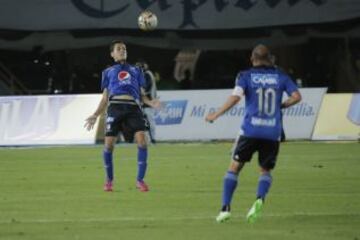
(56, 193)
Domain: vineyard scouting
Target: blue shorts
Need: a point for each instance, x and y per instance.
(268, 150)
(125, 118)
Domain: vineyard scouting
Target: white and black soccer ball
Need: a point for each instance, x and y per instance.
(147, 20)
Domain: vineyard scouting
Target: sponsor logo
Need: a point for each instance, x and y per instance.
(264, 79)
(172, 112)
(97, 10)
(123, 75)
(263, 122)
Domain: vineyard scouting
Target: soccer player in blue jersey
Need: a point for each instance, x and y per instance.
(263, 86)
(122, 86)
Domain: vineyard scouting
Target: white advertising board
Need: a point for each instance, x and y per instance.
(182, 117)
(59, 119)
(46, 120)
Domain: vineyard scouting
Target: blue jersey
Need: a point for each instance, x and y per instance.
(123, 79)
(263, 88)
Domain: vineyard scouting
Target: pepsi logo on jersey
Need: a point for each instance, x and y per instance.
(123, 75)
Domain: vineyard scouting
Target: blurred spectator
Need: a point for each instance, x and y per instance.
(186, 82)
(151, 92)
(185, 65)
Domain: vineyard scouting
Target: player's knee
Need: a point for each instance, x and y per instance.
(109, 148)
(236, 166)
(141, 139)
(142, 144)
(265, 171)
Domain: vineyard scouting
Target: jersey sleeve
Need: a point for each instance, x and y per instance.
(104, 80)
(240, 85)
(290, 86)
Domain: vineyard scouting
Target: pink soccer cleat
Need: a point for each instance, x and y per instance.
(108, 187)
(142, 186)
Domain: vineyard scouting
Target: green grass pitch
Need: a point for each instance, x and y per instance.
(56, 193)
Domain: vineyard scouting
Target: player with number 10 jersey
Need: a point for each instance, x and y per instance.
(264, 87)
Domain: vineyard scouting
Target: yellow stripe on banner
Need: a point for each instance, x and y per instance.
(332, 122)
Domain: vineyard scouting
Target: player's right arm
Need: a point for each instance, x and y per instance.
(230, 102)
(91, 120)
(233, 99)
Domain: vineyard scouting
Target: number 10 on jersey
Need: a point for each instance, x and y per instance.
(266, 101)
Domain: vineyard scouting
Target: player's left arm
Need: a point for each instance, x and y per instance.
(292, 91)
(155, 103)
(294, 98)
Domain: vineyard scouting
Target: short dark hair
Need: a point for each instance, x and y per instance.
(262, 53)
(113, 43)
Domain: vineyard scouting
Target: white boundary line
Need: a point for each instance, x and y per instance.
(167, 219)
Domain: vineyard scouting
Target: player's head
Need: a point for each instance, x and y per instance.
(261, 55)
(118, 51)
(142, 64)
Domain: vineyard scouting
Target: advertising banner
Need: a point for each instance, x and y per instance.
(46, 120)
(339, 118)
(59, 119)
(183, 114)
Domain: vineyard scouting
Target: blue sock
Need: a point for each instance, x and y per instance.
(108, 164)
(230, 183)
(264, 185)
(142, 164)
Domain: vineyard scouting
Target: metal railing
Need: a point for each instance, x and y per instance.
(12, 83)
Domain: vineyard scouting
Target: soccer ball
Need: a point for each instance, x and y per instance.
(147, 21)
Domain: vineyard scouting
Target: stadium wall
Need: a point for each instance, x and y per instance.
(59, 119)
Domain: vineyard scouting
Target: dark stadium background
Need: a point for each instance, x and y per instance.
(322, 55)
